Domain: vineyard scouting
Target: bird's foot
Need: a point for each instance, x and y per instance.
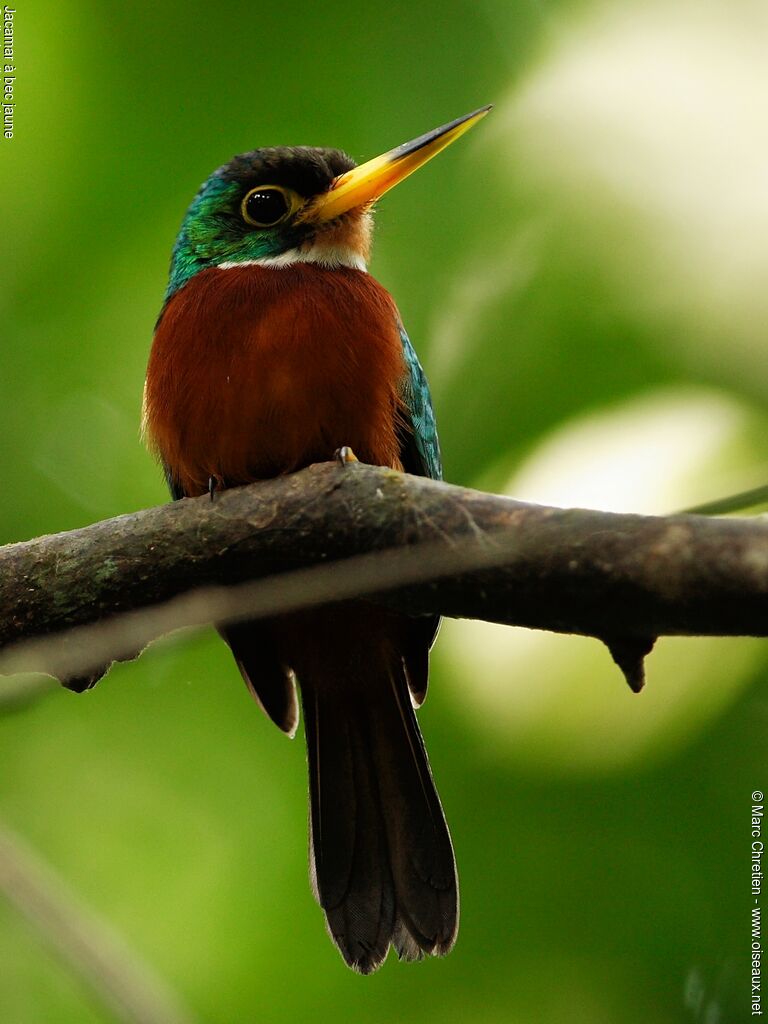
(214, 484)
(344, 455)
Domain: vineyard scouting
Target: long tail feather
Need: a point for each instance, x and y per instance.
(382, 861)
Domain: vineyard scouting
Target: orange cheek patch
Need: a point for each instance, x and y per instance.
(352, 233)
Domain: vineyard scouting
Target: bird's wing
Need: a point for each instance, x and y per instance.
(420, 455)
(419, 443)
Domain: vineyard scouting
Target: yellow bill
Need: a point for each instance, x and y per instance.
(370, 180)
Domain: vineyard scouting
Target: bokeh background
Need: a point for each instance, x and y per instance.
(584, 277)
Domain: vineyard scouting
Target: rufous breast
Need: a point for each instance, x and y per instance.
(257, 371)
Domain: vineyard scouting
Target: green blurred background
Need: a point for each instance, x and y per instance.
(584, 277)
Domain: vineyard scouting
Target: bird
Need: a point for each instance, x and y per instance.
(275, 348)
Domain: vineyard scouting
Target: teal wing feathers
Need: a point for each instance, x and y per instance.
(421, 450)
(420, 455)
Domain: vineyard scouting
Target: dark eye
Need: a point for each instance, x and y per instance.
(266, 206)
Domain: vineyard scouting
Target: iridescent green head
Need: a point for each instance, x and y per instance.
(250, 209)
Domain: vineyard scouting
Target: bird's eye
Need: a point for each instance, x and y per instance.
(266, 206)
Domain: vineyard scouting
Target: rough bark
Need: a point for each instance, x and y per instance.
(622, 578)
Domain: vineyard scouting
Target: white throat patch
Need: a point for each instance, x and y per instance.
(330, 256)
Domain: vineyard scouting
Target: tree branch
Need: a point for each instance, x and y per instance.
(411, 543)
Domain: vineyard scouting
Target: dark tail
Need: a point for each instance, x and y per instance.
(381, 857)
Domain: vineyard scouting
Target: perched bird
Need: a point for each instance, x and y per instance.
(276, 349)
